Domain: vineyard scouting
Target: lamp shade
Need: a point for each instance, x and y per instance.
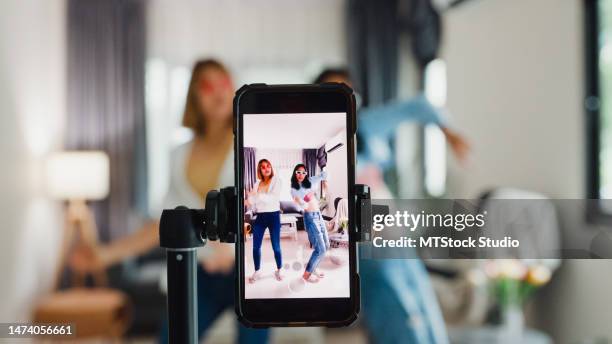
(78, 175)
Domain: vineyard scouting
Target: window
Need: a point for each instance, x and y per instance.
(434, 140)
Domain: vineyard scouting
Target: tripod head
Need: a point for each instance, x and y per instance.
(184, 228)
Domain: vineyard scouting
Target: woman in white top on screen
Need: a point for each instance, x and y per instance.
(264, 198)
(197, 167)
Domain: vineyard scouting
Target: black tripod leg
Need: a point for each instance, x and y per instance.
(182, 296)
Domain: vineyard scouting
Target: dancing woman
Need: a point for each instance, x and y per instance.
(302, 191)
(264, 198)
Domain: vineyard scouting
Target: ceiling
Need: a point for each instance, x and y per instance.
(291, 131)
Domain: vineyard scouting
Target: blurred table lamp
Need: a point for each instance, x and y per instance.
(78, 177)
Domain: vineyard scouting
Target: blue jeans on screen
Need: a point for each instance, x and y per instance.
(270, 220)
(317, 234)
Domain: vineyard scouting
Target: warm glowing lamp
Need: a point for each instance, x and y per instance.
(78, 177)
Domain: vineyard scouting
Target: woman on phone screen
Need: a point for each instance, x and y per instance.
(302, 192)
(264, 198)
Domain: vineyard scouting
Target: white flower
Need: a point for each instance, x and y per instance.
(505, 268)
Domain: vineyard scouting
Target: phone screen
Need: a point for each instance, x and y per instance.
(295, 178)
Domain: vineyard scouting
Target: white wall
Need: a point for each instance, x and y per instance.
(274, 41)
(515, 88)
(32, 83)
(337, 177)
(291, 131)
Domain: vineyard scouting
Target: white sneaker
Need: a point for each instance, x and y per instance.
(278, 275)
(318, 274)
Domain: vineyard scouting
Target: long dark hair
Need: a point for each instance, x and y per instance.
(294, 182)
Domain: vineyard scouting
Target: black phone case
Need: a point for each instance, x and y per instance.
(353, 237)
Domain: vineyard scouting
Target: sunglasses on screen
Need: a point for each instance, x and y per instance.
(301, 172)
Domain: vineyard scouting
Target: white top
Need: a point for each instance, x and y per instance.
(263, 202)
(181, 193)
(298, 194)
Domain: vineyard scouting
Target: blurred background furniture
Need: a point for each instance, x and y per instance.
(288, 226)
(493, 335)
(139, 279)
(467, 295)
(77, 177)
(289, 208)
(95, 312)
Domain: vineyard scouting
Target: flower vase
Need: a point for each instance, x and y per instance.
(513, 324)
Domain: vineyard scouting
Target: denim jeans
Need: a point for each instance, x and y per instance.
(317, 234)
(215, 295)
(270, 220)
(399, 303)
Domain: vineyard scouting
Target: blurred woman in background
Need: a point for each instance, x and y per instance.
(398, 299)
(198, 166)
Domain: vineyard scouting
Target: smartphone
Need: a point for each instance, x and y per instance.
(295, 170)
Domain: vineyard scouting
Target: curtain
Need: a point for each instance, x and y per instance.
(373, 31)
(105, 105)
(423, 23)
(322, 156)
(250, 167)
(322, 162)
(309, 158)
